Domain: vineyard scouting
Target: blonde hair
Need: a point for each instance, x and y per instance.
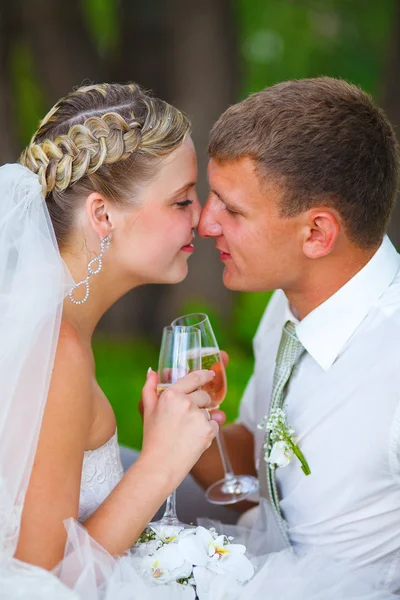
(106, 138)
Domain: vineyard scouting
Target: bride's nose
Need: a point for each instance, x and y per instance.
(196, 211)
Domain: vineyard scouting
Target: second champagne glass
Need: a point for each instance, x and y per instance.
(180, 353)
(232, 488)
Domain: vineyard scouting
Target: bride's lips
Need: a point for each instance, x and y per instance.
(188, 248)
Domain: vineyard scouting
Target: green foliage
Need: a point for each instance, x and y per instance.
(27, 94)
(102, 20)
(121, 368)
(283, 39)
(247, 313)
(121, 372)
(215, 316)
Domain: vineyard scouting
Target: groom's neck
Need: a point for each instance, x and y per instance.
(322, 278)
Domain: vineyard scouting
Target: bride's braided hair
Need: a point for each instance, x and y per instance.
(106, 138)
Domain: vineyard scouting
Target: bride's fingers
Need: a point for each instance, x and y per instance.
(149, 392)
(192, 381)
(201, 399)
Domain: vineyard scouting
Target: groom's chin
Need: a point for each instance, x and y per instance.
(236, 282)
(232, 281)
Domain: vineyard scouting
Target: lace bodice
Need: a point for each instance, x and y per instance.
(101, 471)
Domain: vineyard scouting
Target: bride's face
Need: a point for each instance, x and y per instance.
(152, 242)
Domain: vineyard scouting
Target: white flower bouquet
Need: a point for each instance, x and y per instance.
(189, 559)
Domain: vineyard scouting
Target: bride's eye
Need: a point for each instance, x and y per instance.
(184, 203)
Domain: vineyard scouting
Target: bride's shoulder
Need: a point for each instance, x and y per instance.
(73, 367)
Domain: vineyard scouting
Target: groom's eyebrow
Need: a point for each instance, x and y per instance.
(227, 203)
(219, 196)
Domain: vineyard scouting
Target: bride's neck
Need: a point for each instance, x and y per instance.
(105, 289)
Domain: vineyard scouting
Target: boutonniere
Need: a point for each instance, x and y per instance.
(281, 445)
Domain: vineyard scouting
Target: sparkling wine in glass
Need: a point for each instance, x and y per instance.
(180, 353)
(232, 488)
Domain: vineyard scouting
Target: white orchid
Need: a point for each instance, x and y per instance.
(281, 454)
(167, 533)
(202, 563)
(217, 554)
(166, 565)
(210, 586)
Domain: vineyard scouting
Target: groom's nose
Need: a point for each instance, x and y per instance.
(208, 224)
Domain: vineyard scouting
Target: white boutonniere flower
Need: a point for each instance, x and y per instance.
(282, 445)
(281, 454)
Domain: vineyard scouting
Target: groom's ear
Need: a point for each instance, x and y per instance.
(320, 232)
(99, 214)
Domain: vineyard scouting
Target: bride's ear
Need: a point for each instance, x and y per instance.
(98, 212)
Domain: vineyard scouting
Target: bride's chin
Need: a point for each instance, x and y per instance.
(177, 274)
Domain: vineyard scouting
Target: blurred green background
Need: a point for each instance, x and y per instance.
(201, 56)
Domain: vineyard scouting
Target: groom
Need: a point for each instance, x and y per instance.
(303, 177)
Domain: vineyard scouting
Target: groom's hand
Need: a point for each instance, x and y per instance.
(225, 357)
(218, 415)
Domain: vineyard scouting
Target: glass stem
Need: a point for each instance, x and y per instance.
(169, 515)
(223, 451)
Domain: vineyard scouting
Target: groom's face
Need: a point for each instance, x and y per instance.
(259, 248)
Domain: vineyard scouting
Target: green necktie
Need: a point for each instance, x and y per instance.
(289, 351)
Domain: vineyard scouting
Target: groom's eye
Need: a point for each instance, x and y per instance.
(230, 211)
(184, 203)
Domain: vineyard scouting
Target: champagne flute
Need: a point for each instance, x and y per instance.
(232, 488)
(180, 353)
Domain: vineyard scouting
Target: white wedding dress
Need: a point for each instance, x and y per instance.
(101, 471)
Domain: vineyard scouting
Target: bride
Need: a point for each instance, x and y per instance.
(117, 169)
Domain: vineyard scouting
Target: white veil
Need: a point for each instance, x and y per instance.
(33, 283)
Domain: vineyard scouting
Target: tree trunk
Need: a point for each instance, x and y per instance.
(65, 55)
(8, 143)
(203, 82)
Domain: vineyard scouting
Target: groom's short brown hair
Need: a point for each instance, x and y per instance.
(326, 141)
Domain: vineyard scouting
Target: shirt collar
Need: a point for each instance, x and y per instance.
(328, 327)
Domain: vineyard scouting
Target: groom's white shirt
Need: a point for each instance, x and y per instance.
(343, 401)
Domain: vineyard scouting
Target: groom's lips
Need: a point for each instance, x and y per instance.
(224, 256)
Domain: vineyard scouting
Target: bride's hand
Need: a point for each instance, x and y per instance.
(217, 415)
(176, 427)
